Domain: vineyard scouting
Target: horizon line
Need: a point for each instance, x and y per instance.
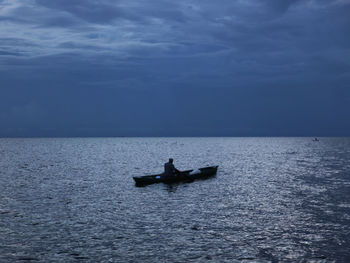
(210, 136)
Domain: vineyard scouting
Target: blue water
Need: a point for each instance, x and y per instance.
(273, 199)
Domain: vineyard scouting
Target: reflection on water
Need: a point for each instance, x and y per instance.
(273, 199)
(171, 188)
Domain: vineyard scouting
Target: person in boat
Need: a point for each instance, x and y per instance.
(169, 169)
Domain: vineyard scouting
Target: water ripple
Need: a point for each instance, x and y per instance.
(273, 200)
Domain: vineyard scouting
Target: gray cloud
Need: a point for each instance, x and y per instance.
(91, 11)
(111, 64)
(125, 28)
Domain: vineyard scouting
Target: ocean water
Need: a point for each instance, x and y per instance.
(272, 200)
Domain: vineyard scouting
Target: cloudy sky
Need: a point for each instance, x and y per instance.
(174, 68)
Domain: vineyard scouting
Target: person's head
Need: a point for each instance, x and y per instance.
(171, 160)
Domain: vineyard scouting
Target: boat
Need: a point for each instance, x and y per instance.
(316, 139)
(183, 176)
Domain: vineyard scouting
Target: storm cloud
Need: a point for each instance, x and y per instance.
(183, 68)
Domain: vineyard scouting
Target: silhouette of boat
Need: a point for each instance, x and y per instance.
(183, 176)
(315, 140)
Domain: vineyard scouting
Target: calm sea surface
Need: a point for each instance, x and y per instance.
(272, 200)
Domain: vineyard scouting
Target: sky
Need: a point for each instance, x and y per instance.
(174, 68)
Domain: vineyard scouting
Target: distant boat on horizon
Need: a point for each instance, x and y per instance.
(315, 139)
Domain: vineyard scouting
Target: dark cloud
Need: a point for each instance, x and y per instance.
(106, 11)
(104, 68)
(6, 53)
(280, 6)
(92, 11)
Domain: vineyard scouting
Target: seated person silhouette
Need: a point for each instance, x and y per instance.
(169, 169)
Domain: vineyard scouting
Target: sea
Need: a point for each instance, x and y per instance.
(272, 200)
